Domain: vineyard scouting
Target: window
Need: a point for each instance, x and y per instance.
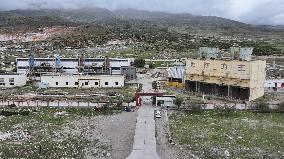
(96, 83)
(2, 82)
(11, 81)
(67, 83)
(76, 83)
(56, 83)
(86, 83)
(106, 83)
(116, 83)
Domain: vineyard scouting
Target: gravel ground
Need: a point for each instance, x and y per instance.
(164, 148)
(112, 135)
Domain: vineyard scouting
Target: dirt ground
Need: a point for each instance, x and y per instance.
(115, 134)
(79, 136)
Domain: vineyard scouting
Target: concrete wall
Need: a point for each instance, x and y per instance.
(73, 81)
(257, 79)
(19, 80)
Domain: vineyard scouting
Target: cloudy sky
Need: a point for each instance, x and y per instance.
(249, 11)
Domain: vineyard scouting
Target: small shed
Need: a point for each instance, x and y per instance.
(165, 101)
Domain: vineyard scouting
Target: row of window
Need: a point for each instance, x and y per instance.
(11, 81)
(85, 83)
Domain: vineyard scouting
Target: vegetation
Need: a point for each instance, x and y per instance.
(281, 107)
(211, 134)
(139, 62)
(263, 107)
(179, 100)
(155, 85)
(140, 87)
(151, 65)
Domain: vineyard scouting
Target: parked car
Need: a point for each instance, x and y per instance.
(158, 114)
(127, 109)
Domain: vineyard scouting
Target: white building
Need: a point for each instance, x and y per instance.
(82, 81)
(8, 80)
(274, 83)
(165, 101)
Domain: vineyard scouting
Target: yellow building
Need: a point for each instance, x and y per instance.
(234, 79)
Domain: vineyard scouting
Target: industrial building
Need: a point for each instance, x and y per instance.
(36, 67)
(9, 80)
(81, 81)
(237, 78)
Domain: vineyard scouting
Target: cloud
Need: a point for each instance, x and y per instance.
(249, 11)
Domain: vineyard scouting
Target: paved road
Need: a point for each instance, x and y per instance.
(144, 146)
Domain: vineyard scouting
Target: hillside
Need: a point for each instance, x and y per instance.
(180, 23)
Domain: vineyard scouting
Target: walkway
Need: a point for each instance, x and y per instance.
(144, 146)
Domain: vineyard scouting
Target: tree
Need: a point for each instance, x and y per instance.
(151, 66)
(155, 85)
(128, 99)
(154, 100)
(139, 62)
(179, 101)
(140, 87)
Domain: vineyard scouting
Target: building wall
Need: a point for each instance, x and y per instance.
(236, 74)
(257, 79)
(129, 72)
(12, 80)
(76, 81)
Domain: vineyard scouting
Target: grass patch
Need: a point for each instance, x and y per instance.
(238, 135)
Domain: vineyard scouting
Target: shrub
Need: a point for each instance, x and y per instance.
(119, 103)
(263, 107)
(225, 110)
(179, 101)
(281, 107)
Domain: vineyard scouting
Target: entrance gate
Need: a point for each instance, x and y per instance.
(139, 94)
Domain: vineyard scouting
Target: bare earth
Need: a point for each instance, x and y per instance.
(113, 135)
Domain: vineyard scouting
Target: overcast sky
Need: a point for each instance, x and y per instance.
(249, 11)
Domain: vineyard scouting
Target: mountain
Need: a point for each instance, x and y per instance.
(202, 25)
(180, 23)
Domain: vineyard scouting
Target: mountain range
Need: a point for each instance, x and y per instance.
(180, 23)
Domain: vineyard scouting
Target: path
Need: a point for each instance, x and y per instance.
(144, 146)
